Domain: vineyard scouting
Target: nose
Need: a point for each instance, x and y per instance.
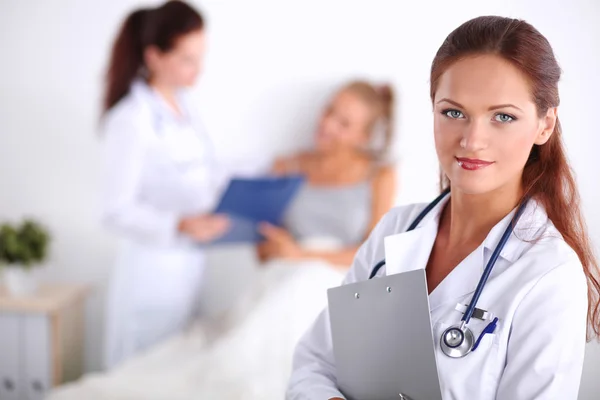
(475, 136)
(328, 125)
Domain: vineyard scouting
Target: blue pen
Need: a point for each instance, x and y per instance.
(488, 329)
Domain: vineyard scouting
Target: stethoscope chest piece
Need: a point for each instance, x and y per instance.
(457, 341)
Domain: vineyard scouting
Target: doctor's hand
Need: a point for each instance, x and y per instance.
(278, 243)
(204, 228)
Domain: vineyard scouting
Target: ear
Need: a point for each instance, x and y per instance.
(547, 124)
(151, 57)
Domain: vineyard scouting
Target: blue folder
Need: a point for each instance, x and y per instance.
(247, 202)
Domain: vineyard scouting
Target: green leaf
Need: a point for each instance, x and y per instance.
(24, 245)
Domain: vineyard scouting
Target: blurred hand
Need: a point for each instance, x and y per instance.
(204, 228)
(278, 243)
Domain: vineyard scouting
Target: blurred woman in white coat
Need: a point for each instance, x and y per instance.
(160, 178)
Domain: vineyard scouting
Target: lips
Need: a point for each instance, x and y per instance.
(472, 164)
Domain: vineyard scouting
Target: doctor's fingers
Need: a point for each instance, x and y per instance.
(210, 221)
(197, 221)
(217, 219)
(206, 228)
(208, 233)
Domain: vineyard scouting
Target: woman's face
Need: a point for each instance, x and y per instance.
(485, 124)
(344, 124)
(179, 66)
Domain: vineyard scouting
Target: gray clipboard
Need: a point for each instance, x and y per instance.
(382, 339)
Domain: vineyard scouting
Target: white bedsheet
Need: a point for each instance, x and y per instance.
(245, 354)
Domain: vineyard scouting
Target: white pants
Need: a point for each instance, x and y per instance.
(152, 295)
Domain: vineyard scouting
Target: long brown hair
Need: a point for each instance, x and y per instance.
(547, 176)
(159, 27)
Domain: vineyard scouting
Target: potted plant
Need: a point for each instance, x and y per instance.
(23, 249)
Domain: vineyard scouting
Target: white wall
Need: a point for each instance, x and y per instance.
(270, 67)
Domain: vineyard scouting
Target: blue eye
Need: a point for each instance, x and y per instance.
(453, 114)
(504, 118)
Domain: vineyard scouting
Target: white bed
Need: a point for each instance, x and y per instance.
(245, 353)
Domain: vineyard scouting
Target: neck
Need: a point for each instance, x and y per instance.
(335, 160)
(167, 93)
(470, 218)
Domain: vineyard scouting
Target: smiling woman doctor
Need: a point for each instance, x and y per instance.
(498, 140)
(160, 178)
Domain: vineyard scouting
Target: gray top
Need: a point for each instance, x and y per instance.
(340, 212)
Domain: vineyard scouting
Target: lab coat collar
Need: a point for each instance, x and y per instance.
(532, 221)
(408, 251)
(160, 108)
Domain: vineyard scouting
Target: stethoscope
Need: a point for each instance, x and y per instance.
(458, 340)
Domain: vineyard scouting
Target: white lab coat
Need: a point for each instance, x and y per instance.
(537, 289)
(158, 168)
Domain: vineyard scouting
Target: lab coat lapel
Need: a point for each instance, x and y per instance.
(409, 251)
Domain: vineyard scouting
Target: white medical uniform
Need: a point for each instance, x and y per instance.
(537, 289)
(159, 166)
